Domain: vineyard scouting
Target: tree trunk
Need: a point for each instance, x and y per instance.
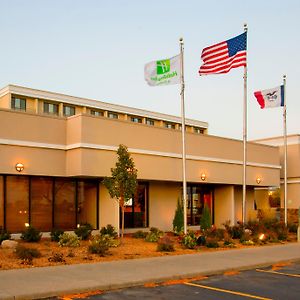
(122, 204)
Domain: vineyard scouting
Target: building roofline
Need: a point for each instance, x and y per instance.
(58, 97)
(292, 139)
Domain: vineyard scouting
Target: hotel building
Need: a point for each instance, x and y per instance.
(55, 150)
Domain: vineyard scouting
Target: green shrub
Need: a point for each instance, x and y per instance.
(55, 234)
(69, 240)
(178, 219)
(100, 244)
(4, 235)
(228, 242)
(236, 231)
(281, 230)
(109, 230)
(201, 240)
(212, 242)
(293, 227)
(153, 235)
(84, 231)
(214, 232)
(246, 236)
(205, 220)
(57, 257)
(31, 234)
(189, 240)
(139, 234)
(27, 254)
(165, 244)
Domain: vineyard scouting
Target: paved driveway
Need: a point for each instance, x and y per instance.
(281, 282)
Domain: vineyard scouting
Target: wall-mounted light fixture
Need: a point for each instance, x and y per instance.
(19, 167)
(258, 180)
(203, 176)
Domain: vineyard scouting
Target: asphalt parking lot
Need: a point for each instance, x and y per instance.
(274, 282)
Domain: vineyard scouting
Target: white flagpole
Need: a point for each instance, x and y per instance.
(183, 137)
(285, 151)
(244, 141)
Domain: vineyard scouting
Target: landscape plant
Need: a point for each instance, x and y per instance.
(139, 234)
(84, 231)
(27, 254)
(55, 234)
(69, 240)
(153, 235)
(123, 181)
(165, 244)
(31, 234)
(189, 240)
(178, 219)
(109, 230)
(4, 235)
(100, 244)
(205, 220)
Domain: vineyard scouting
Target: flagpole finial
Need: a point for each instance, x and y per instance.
(284, 76)
(245, 27)
(181, 40)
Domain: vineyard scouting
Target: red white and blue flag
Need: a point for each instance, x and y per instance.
(224, 56)
(270, 98)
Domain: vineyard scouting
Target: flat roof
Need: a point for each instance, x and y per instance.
(292, 139)
(57, 97)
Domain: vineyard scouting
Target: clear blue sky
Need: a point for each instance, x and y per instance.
(97, 49)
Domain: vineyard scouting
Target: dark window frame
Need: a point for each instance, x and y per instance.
(13, 103)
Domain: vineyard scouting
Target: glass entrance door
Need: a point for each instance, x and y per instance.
(198, 196)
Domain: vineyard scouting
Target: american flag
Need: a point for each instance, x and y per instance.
(224, 56)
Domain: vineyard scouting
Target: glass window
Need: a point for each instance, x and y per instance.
(136, 210)
(64, 204)
(198, 196)
(96, 113)
(170, 125)
(1, 203)
(50, 108)
(41, 203)
(18, 103)
(150, 122)
(198, 130)
(112, 115)
(136, 120)
(17, 203)
(69, 110)
(87, 203)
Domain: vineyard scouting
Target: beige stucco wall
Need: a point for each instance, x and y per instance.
(163, 200)
(238, 198)
(5, 101)
(108, 209)
(224, 205)
(88, 146)
(293, 195)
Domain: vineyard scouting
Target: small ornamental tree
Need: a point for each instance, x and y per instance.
(123, 181)
(178, 219)
(205, 221)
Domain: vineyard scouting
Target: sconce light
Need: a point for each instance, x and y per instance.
(258, 180)
(26, 224)
(19, 167)
(203, 176)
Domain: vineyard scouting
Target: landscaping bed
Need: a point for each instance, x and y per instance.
(51, 254)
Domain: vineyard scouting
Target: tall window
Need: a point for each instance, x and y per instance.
(87, 202)
(198, 196)
(17, 203)
(50, 108)
(41, 203)
(198, 130)
(136, 210)
(1, 202)
(18, 103)
(64, 204)
(69, 110)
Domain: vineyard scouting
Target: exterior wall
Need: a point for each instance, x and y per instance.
(163, 198)
(5, 101)
(293, 195)
(238, 198)
(108, 209)
(224, 205)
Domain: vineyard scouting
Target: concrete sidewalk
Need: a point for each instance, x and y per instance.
(52, 281)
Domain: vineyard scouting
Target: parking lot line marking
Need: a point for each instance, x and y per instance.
(226, 291)
(278, 273)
